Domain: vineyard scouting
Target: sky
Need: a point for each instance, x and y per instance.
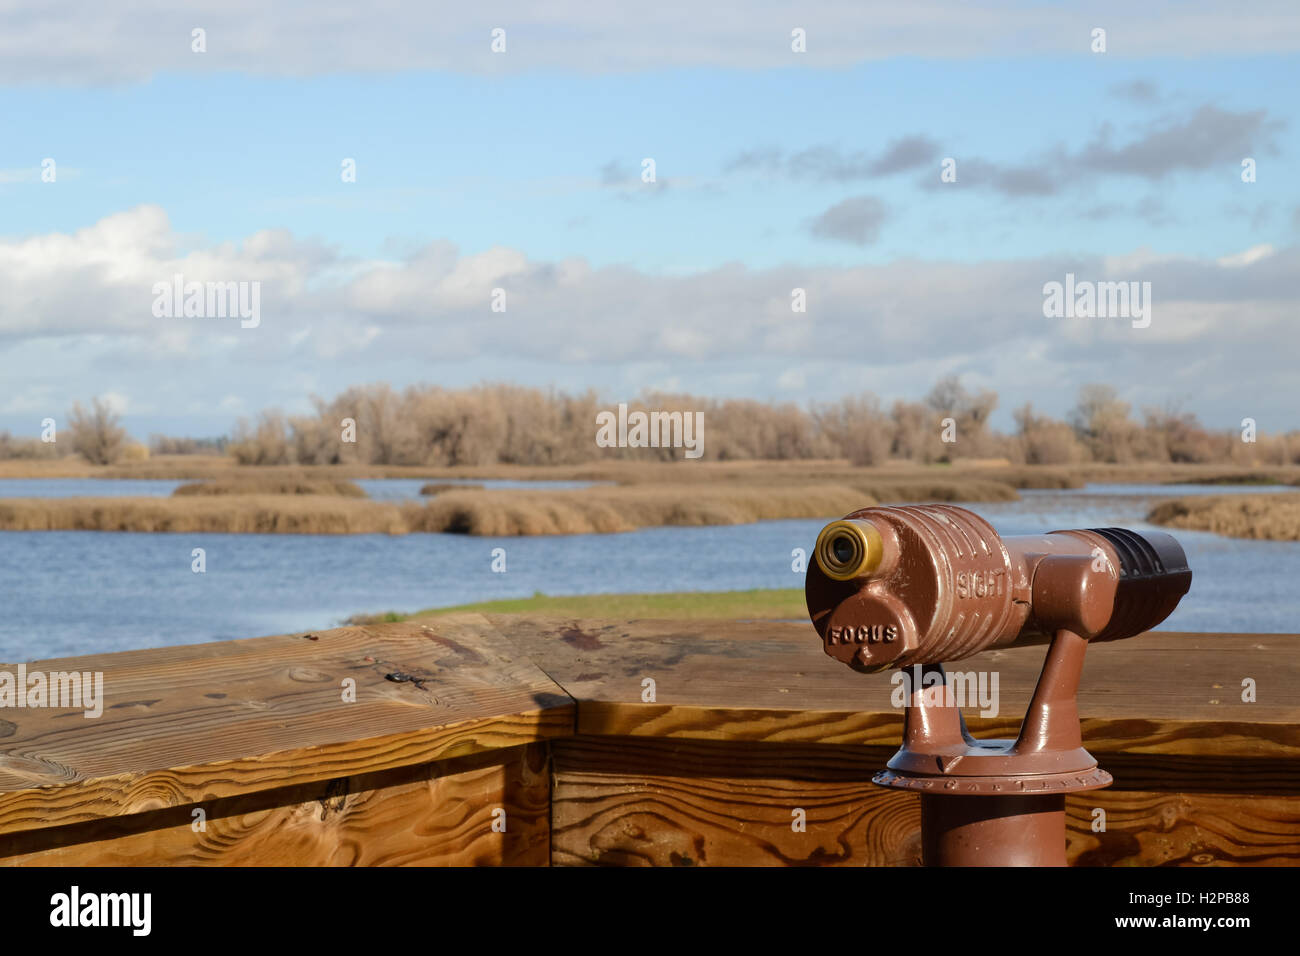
(130, 157)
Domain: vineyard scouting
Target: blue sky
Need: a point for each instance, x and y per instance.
(771, 174)
(518, 160)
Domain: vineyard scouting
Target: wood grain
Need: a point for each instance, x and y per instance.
(433, 814)
(1167, 693)
(1187, 829)
(750, 720)
(698, 803)
(185, 725)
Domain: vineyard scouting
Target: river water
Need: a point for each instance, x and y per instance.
(73, 592)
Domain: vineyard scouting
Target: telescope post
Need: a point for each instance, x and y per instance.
(992, 831)
(996, 802)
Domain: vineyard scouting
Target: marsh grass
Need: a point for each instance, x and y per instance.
(271, 485)
(603, 510)
(324, 500)
(233, 514)
(1267, 517)
(441, 487)
(1231, 478)
(504, 512)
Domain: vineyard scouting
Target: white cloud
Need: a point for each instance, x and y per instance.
(76, 308)
(87, 41)
(34, 399)
(117, 402)
(1247, 256)
(792, 379)
(1128, 263)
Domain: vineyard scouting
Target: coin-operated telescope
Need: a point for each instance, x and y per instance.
(916, 586)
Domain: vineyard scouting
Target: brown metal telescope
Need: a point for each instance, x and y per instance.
(914, 587)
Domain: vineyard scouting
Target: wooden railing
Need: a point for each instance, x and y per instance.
(522, 740)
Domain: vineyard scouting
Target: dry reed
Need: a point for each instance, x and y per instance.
(234, 514)
(271, 485)
(1266, 517)
(442, 487)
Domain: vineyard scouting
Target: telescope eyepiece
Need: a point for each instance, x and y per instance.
(849, 549)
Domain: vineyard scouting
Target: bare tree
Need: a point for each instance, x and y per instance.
(266, 443)
(96, 434)
(1101, 421)
(1046, 441)
(969, 413)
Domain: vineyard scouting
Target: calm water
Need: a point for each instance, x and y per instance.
(85, 592)
(408, 489)
(84, 488)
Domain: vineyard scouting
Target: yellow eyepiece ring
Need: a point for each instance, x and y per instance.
(849, 549)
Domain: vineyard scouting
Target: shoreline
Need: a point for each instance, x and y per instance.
(632, 471)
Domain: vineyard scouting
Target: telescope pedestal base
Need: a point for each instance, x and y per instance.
(993, 831)
(996, 802)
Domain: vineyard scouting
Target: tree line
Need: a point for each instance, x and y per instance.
(511, 424)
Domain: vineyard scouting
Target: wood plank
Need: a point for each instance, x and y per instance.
(1160, 692)
(690, 803)
(703, 803)
(433, 814)
(184, 725)
(1189, 829)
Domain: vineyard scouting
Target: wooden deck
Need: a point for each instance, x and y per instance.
(521, 740)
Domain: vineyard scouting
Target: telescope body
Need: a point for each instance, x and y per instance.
(925, 584)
